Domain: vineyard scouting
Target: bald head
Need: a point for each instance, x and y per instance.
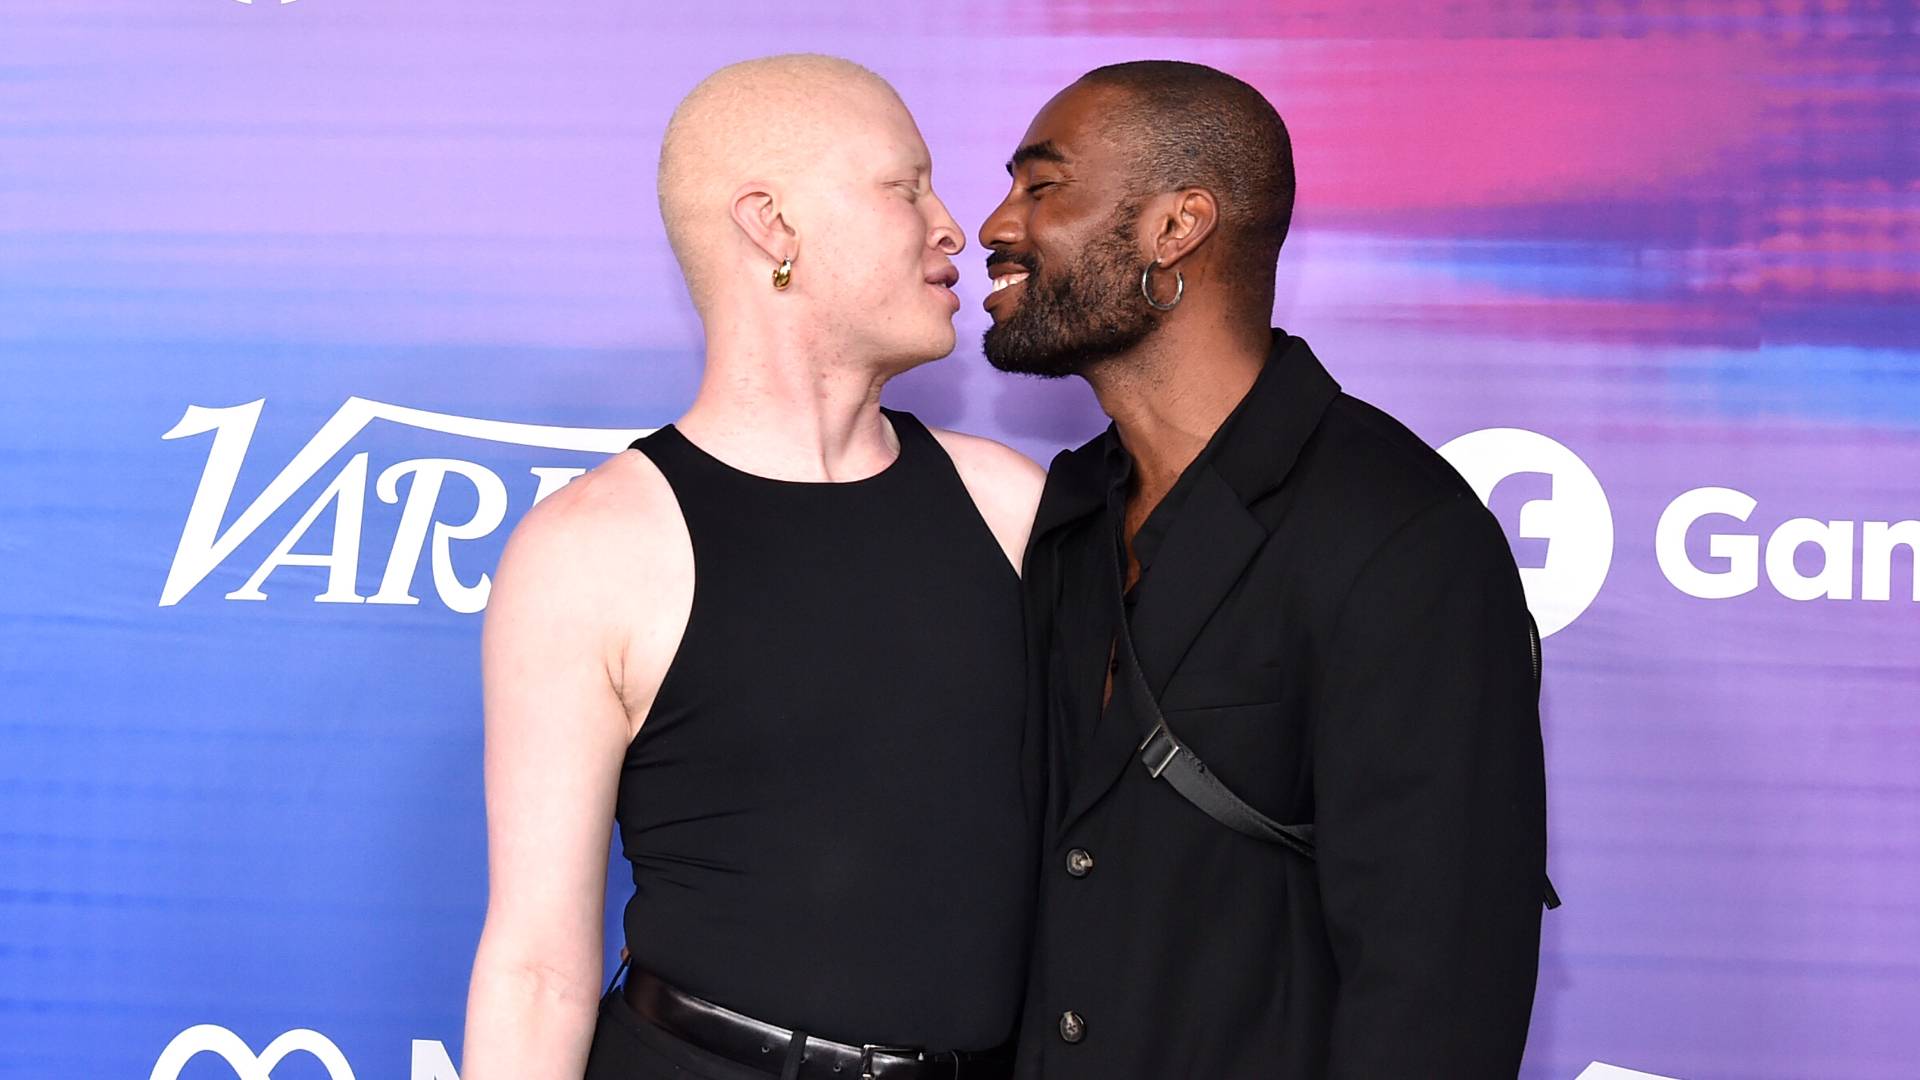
(768, 121)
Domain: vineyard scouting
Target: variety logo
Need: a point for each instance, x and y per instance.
(204, 545)
(430, 1061)
(1554, 511)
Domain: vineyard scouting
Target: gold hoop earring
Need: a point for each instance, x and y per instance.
(783, 276)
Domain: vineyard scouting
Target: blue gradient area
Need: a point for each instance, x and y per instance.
(1551, 269)
(1822, 384)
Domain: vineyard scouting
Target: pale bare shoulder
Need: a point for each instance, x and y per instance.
(1005, 485)
(604, 563)
(593, 526)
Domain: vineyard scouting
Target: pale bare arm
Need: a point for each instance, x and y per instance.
(1005, 485)
(571, 654)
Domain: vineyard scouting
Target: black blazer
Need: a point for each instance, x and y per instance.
(1334, 623)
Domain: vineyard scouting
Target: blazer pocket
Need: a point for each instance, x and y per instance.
(1224, 687)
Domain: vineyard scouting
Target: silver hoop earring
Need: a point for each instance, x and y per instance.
(1146, 290)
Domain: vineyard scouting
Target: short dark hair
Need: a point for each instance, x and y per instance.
(1195, 126)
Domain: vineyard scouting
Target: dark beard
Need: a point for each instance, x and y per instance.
(1079, 315)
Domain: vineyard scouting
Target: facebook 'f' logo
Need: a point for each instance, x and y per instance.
(1508, 499)
(1554, 513)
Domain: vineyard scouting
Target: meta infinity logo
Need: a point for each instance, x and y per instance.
(1555, 513)
(214, 1039)
(430, 1060)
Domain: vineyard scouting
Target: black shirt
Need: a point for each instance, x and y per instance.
(825, 809)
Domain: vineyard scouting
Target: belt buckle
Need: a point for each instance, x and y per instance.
(867, 1050)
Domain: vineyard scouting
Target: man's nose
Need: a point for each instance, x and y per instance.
(947, 235)
(1001, 229)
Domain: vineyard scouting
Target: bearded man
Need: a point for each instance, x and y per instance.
(1296, 813)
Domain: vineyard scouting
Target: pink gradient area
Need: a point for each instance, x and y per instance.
(1423, 125)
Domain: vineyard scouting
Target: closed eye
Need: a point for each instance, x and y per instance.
(1039, 186)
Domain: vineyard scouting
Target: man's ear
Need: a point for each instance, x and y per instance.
(758, 214)
(1183, 225)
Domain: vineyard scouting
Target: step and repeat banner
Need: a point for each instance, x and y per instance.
(302, 305)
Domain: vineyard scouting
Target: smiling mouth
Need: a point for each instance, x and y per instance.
(1008, 281)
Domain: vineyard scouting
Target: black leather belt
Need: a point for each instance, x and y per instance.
(728, 1034)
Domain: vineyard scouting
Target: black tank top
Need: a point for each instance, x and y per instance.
(824, 808)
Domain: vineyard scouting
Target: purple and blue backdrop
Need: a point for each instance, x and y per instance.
(303, 304)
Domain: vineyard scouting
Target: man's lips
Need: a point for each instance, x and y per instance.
(945, 279)
(1003, 269)
(1007, 276)
(1003, 294)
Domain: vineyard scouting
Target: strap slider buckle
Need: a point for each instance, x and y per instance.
(1167, 749)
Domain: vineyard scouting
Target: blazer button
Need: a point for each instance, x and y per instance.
(1072, 1028)
(1079, 862)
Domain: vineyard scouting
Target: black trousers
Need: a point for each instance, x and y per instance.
(628, 1047)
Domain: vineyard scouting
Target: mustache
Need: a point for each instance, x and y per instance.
(1002, 257)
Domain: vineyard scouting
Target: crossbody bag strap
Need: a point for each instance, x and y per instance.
(1169, 759)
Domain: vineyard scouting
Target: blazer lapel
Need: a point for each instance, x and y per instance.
(1206, 548)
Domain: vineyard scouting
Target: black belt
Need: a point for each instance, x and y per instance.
(753, 1043)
